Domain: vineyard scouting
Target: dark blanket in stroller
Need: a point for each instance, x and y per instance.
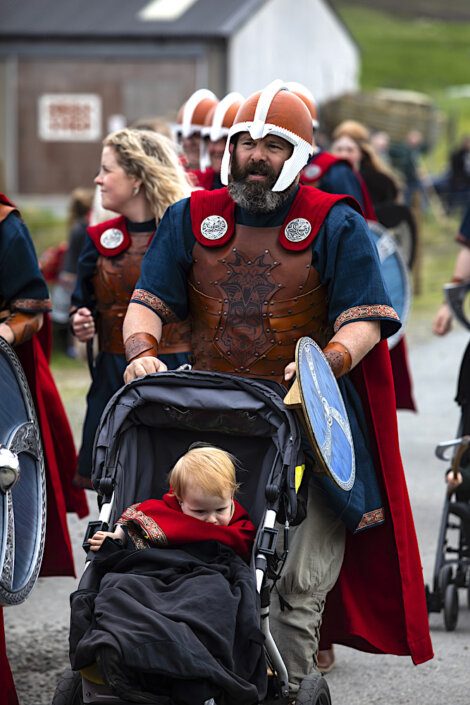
(184, 621)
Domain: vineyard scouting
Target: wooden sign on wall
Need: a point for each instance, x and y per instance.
(69, 117)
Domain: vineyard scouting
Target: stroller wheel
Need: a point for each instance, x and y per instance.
(313, 691)
(451, 607)
(69, 689)
(444, 579)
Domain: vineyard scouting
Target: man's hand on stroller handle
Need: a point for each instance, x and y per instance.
(97, 539)
(143, 366)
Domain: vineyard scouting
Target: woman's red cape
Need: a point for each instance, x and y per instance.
(60, 456)
(378, 604)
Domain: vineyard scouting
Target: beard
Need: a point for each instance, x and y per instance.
(256, 196)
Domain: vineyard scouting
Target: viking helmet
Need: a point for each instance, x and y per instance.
(192, 114)
(274, 111)
(218, 121)
(307, 97)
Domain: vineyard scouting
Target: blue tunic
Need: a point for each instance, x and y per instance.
(348, 265)
(23, 288)
(340, 178)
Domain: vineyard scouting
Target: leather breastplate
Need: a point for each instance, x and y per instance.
(250, 301)
(113, 282)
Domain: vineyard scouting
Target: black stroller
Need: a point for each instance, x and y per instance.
(145, 428)
(452, 563)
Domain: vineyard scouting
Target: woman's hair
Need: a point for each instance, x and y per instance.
(209, 468)
(152, 158)
(80, 203)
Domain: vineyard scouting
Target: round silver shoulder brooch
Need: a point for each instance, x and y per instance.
(298, 229)
(111, 238)
(214, 227)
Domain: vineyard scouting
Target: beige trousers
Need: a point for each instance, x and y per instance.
(316, 550)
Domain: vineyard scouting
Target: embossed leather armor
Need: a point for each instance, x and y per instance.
(113, 284)
(250, 301)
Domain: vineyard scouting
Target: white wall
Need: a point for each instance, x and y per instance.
(295, 40)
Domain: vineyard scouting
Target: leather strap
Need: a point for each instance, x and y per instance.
(23, 325)
(339, 358)
(140, 345)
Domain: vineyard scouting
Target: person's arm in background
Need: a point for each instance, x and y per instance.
(81, 309)
(443, 320)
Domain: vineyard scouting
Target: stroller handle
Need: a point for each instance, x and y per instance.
(459, 444)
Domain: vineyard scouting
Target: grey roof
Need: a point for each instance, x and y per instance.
(58, 19)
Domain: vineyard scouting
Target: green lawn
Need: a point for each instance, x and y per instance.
(415, 54)
(424, 55)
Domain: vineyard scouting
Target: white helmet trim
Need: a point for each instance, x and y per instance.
(258, 129)
(187, 127)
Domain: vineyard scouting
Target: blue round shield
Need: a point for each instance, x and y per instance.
(325, 414)
(395, 275)
(22, 484)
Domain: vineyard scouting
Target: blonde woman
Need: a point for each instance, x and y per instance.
(139, 177)
(382, 184)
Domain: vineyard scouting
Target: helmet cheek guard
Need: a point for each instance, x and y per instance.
(274, 111)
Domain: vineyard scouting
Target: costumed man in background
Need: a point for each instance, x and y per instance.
(24, 303)
(258, 265)
(189, 125)
(214, 137)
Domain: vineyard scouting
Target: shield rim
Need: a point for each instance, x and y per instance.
(16, 597)
(346, 486)
(380, 230)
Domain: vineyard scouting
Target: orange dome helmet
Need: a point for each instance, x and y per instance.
(218, 122)
(307, 97)
(191, 115)
(274, 111)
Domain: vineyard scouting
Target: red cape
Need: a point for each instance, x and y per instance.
(378, 604)
(7, 685)
(402, 376)
(166, 517)
(59, 455)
